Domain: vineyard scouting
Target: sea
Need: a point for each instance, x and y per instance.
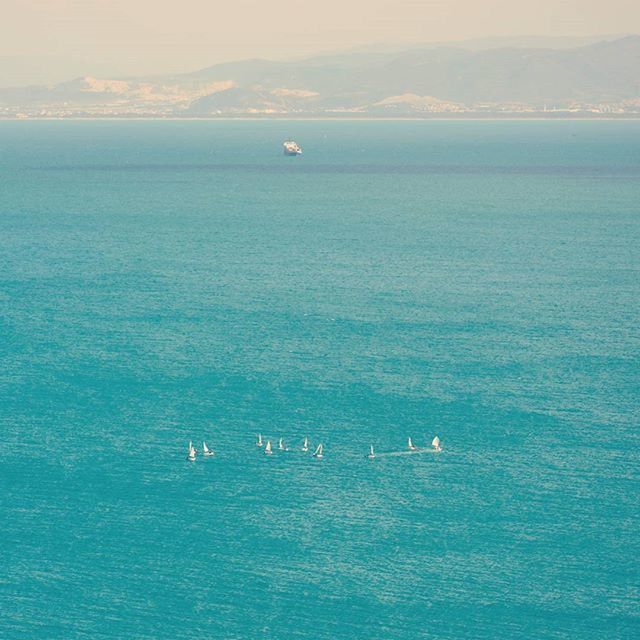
(171, 281)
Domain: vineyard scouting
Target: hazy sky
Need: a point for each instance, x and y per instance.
(50, 40)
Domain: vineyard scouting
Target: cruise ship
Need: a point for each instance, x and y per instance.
(291, 148)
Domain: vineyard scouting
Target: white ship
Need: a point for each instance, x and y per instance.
(291, 148)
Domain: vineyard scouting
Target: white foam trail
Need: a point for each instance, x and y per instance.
(391, 454)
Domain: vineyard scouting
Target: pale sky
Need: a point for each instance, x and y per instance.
(52, 40)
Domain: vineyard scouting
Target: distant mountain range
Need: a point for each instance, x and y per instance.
(599, 77)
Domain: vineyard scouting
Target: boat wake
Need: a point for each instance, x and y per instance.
(393, 454)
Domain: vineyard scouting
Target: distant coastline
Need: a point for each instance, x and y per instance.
(597, 81)
(351, 118)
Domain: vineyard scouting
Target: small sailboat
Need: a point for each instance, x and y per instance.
(435, 443)
(372, 454)
(267, 449)
(411, 446)
(191, 456)
(318, 451)
(206, 451)
(282, 446)
(305, 444)
(259, 442)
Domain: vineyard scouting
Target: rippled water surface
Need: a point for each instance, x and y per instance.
(167, 281)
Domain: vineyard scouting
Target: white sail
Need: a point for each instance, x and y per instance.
(410, 445)
(259, 442)
(371, 453)
(305, 446)
(435, 443)
(206, 450)
(267, 449)
(281, 444)
(192, 452)
(318, 452)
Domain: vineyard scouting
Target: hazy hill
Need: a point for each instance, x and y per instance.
(417, 80)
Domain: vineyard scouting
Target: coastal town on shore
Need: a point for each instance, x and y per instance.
(400, 107)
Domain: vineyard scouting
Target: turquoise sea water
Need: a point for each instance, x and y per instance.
(167, 281)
